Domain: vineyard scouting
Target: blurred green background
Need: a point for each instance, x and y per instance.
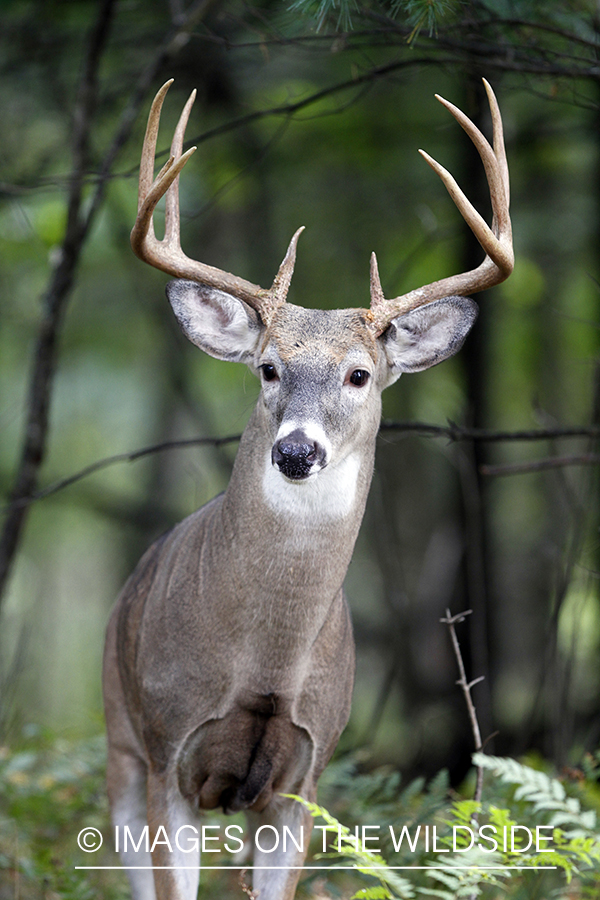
(299, 125)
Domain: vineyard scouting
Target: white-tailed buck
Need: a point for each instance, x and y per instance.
(229, 657)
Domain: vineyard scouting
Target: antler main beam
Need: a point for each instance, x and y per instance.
(495, 241)
(166, 254)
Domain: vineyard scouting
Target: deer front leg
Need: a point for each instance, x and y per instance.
(126, 773)
(127, 794)
(173, 840)
(277, 860)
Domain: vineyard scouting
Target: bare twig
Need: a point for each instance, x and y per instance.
(473, 515)
(252, 895)
(285, 111)
(449, 47)
(473, 43)
(119, 458)
(466, 686)
(455, 432)
(541, 465)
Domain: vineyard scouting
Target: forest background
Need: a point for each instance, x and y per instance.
(485, 494)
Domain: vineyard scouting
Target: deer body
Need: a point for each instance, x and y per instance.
(229, 658)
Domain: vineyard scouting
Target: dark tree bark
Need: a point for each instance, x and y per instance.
(79, 221)
(55, 300)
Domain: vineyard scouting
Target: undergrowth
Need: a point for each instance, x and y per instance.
(51, 789)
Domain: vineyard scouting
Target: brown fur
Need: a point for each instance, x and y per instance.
(237, 762)
(295, 330)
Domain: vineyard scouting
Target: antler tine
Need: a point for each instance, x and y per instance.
(495, 241)
(281, 285)
(167, 254)
(149, 145)
(172, 224)
(498, 139)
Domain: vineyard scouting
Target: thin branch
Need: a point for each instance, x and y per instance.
(502, 57)
(392, 27)
(57, 294)
(552, 29)
(466, 687)
(289, 110)
(455, 432)
(506, 56)
(451, 431)
(113, 460)
(541, 465)
(171, 46)
(284, 110)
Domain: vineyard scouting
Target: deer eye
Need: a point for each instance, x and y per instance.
(358, 377)
(269, 372)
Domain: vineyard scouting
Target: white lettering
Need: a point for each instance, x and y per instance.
(144, 837)
(354, 839)
(542, 837)
(324, 829)
(193, 843)
(234, 838)
(435, 847)
(257, 844)
(485, 837)
(208, 837)
(515, 828)
(405, 833)
(299, 846)
(366, 837)
(455, 828)
(158, 840)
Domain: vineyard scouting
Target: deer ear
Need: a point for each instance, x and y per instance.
(429, 334)
(218, 323)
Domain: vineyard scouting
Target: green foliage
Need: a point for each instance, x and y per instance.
(543, 792)
(53, 788)
(423, 14)
(419, 14)
(50, 791)
(365, 861)
(344, 164)
(575, 831)
(527, 837)
(323, 10)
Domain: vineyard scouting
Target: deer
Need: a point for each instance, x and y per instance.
(229, 659)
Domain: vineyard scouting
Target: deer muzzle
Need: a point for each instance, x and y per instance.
(297, 456)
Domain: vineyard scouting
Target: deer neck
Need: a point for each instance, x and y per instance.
(307, 529)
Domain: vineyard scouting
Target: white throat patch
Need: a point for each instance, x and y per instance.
(328, 494)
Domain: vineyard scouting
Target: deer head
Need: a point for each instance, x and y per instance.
(231, 318)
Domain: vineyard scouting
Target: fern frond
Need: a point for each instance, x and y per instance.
(377, 892)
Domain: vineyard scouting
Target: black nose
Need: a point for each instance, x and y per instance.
(296, 454)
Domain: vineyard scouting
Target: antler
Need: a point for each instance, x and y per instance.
(167, 254)
(496, 241)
